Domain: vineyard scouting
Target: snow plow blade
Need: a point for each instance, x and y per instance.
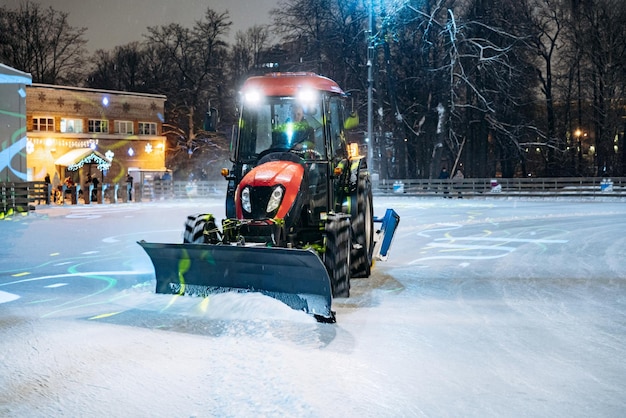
(297, 278)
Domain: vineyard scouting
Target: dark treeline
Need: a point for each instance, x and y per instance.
(492, 87)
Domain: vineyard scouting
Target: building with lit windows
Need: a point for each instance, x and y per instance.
(79, 132)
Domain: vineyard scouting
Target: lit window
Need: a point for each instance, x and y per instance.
(147, 128)
(97, 125)
(72, 125)
(124, 127)
(43, 124)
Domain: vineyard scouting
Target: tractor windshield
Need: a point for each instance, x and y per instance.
(281, 124)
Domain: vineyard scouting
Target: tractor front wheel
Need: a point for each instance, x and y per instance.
(200, 229)
(337, 253)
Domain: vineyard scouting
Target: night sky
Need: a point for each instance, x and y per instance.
(118, 22)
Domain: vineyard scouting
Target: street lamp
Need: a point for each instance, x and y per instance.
(370, 86)
(577, 134)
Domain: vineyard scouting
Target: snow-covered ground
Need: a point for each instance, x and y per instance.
(496, 307)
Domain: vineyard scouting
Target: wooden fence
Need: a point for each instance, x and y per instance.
(19, 197)
(24, 196)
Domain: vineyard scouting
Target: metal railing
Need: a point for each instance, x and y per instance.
(494, 187)
(24, 196)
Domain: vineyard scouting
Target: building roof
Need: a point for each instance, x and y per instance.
(102, 91)
(9, 75)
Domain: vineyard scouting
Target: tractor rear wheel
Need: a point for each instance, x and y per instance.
(337, 253)
(362, 228)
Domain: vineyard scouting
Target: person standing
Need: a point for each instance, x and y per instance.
(129, 187)
(94, 191)
(458, 177)
(444, 175)
(48, 188)
(86, 193)
(56, 188)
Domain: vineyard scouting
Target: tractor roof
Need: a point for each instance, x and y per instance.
(288, 84)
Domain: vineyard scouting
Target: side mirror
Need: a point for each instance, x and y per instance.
(210, 120)
(351, 122)
(234, 141)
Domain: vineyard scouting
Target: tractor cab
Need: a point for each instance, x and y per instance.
(296, 117)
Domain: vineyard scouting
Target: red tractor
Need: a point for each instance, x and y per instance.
(299, 217)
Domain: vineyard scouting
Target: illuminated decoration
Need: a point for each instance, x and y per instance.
(149, 148)
(61, 142)
(131, 152)
(105, 101)
(109, 154)
(30, 147)
(77, 158)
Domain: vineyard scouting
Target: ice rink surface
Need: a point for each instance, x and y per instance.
(486, 308)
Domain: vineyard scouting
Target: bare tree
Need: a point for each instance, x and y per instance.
(194, 60)
(603, 48)
(546, 35)
(42, 43)
(461, 77)
(120, 69)
(247, 53)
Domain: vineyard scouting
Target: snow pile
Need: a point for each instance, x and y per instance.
(219, 306)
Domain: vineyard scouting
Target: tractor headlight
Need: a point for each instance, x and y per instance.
(245, 200)
(275, 198)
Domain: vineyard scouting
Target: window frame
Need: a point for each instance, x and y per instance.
(127, 124)
(103, 126)
(49, 123)
(152, 128)
(74, 123)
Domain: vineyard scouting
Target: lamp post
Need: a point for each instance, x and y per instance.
(577, 134)
(370, 87)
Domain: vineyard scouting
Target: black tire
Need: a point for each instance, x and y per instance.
(195, 227)
(337, 253)
(362, 228)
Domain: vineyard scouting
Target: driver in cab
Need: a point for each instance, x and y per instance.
(297, 134)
